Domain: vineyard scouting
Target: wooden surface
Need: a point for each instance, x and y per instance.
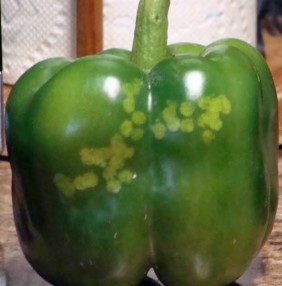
(89, 27)
(266, 269)
(274, 60)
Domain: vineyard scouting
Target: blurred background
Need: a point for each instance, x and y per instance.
(33, 30)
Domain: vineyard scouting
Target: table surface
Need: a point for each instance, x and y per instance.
(265, 270)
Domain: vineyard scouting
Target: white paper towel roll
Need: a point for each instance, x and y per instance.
(200, 21)
(34, 29)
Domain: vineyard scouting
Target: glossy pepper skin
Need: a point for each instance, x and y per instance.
(122, 162)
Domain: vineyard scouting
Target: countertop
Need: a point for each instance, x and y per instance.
(265, 270)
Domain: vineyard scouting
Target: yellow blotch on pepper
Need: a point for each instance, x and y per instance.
(130, 90)
(95, 157)
(113, 186)
(159, 130)
(86, 181)
(170, 117)
(211, 120)
(129, 104)
(137, 134)
(186, 109)
(208, 136)
(125, 176)
(64, 184)
(126, 128)
(218, 104)
(120, 152)
(138, 118)
(187, 126)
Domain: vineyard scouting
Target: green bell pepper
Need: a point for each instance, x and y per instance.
(162, 157)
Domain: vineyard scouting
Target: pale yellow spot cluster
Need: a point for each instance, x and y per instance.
(138, 118)
(80, 183)
(178, 117)
(95, 157)
(113, 186)
(114, 174)
(131, 128)
(126, 128)
(86, 181)
(132, 88)
(170, 117)
(172, 121)
(125, 176)
(64, 184)
(218, 104)
(186, 109)
(129, 104)
(159, 130)
(119, 153)
(137, 134)
(211, 119)
(130, 91)
(208, 136)
(110, 160)
(187, 125)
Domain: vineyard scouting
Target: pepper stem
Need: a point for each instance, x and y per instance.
(150, 39)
